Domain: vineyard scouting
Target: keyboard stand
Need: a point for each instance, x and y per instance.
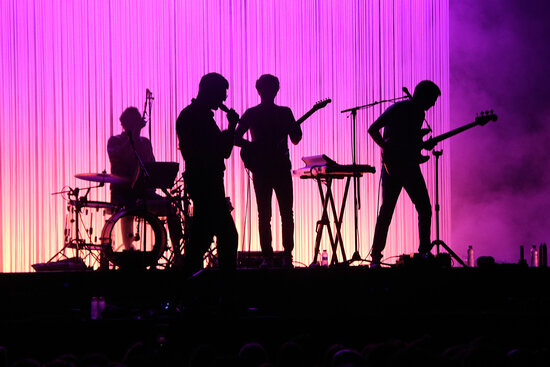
(327, 198)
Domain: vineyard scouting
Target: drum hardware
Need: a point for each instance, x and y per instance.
(75, 207)
(181, 200)
(148, 233)
(147, 230)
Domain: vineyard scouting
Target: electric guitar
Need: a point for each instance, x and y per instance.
(395, 159)
(253, 155)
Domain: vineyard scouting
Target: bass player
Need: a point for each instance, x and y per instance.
(401, 146)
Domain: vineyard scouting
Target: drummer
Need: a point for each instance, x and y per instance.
(124, 150)
(124, 162)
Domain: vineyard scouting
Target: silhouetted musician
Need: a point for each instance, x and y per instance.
(204, 148)
(401, 145)
(268, 157)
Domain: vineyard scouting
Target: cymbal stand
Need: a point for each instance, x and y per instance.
(79, 202)
(356, 192)
(438, 242)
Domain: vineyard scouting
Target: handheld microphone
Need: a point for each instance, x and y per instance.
(224, 108)
(406, 91)
(149, 94)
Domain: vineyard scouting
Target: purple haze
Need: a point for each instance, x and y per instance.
(498, 57)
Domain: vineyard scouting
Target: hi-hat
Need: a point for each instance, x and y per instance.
(102, 177)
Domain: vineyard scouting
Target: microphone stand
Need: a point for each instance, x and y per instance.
(356, 194)
(148, 98)
(438, 242)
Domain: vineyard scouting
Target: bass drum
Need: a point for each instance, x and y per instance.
(133, 239)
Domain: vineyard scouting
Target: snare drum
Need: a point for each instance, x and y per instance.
(147, 236)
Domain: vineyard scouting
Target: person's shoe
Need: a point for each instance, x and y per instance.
(376, 261)
(286, 262)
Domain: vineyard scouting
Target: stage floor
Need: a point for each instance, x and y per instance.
(50, 312)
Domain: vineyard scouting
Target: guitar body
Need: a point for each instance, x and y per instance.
(253, 157)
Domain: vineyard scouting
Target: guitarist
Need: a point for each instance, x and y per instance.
(401, 145)
(267, 156)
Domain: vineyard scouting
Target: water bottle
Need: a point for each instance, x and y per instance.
(534, 256)
(94, 309)
(324, 258)
(471, 259)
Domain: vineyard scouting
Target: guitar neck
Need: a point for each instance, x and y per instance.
(458, 130)
(306, 116)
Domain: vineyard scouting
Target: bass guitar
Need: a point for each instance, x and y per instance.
(397, 161)
(482, 119)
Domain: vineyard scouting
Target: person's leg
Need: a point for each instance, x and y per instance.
(415, 186)
(127, 232)
(201, 232)
(264, 190)
(227, 240)
(391, 188)
(285, 198)
(162, 207)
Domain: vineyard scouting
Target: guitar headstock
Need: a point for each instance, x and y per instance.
(484, 117)
(322, 103)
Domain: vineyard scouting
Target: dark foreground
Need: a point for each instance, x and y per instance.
(44, 315)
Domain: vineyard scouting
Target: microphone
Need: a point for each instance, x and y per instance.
(149, 93)
(406, 91)
(224, 108)
(232, 116)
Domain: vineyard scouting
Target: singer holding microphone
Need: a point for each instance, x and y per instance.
(401, 144)
(204, 148)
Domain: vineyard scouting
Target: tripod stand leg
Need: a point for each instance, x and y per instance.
(448, 249)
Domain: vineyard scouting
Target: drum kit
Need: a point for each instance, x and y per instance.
(130, 237)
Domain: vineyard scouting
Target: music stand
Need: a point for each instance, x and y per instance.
(438, 242)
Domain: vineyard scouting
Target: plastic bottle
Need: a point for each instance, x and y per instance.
(534, 256)
(324, 258)
(471, 259)
(94, 309)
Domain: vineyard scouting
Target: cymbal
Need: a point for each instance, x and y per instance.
(102, 177)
